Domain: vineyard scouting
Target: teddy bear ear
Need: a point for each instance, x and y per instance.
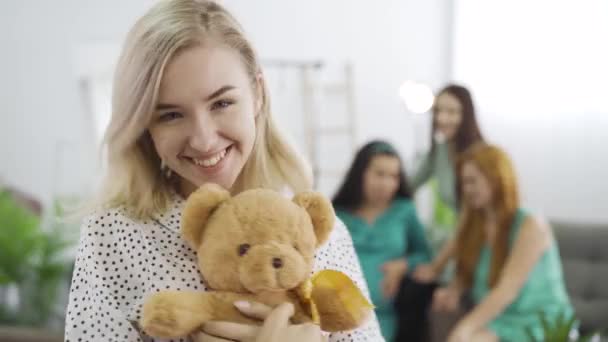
(199, 206)
(321, 213)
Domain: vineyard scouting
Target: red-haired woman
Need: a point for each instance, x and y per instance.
(505, 257)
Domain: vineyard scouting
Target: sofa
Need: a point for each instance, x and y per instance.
(584, 254)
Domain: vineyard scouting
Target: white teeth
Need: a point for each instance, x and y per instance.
(212, 161)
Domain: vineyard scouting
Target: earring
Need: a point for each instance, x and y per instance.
(164, 169)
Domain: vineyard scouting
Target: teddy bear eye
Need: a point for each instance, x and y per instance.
(243, 249)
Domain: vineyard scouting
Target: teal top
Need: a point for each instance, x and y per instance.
(544, 291)
(396, 233)
(438, 165)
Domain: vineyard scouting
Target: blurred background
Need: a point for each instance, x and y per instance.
(340, 74)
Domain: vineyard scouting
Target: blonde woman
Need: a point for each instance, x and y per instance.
(189, 106)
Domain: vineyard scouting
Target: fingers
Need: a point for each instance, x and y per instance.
(441, 305)
(231, 331)
(452, 303)
(393, 288)
(438, 300)
(203, 337)
(420, 272)
(276, 323)
(389, 287)
(424, 274)
(384, 287)
(308, 332)
(253, 309)
(444, 301)
(281, 315)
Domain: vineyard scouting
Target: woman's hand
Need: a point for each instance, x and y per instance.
(276, 327)
(446, 299)
(394, 271)
(425, 274)
(461, 333)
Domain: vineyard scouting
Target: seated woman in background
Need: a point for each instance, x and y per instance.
(374, 203)
(505, 257)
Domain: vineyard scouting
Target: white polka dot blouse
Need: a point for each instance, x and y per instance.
(120, 261)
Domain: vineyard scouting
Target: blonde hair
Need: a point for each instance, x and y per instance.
(134, 178)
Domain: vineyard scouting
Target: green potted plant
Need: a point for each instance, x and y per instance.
(32, 266)
(563, 329)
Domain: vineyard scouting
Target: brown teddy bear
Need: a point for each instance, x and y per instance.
(256, 246)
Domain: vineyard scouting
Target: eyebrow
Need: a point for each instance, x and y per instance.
(215, 94)
(219, 92)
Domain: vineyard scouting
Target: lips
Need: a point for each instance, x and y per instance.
(209, 162)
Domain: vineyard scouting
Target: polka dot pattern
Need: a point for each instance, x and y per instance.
(120, 261)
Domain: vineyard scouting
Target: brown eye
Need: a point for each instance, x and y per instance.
(243, 249)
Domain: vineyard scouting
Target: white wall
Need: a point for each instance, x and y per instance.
(388, 42)
(40, 105)
(560, 155)
(540, 76)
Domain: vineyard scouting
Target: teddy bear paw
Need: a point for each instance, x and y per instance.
(160, 319)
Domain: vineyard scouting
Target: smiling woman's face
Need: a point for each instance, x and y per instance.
(204, 125)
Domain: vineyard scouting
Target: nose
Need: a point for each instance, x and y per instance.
(277, 262)
(441, 116)
(203, 133)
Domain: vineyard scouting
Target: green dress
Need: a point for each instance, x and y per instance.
(544, 291)
(396, 233)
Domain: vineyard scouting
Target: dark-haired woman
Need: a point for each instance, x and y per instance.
(374, 203)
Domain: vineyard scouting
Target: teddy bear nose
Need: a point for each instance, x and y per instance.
(277, 262)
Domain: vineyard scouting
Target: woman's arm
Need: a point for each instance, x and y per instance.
(429, 272)
(422, 174)
(102, 293)
(533, 240)
(444, 255)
